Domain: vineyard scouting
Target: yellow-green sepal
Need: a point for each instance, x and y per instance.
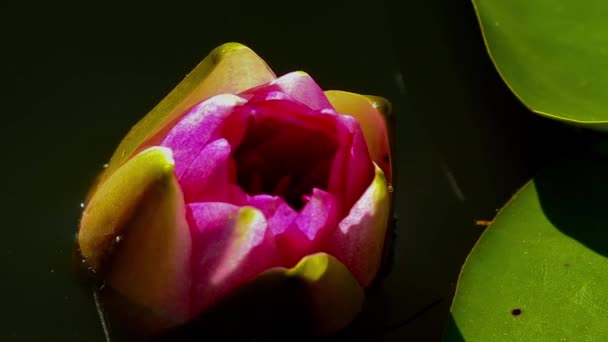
(373, 115)
(335, 297)
(134, 231)
(318, 296)
(115, 202)
(230, 68)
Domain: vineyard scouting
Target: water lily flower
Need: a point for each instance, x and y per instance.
(238, 176)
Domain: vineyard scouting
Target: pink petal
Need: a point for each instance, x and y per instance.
(278, 213)
(236, 195)
(281, 219)
(231, 245)
(315, 221)
(299, 86)
(316, 214)
(281, 107)
(352, 169)
(359, 240)
(207, 179)
(298, 233)
(202, 124)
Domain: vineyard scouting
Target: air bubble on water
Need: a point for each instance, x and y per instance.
(105, 165)
(82, 204)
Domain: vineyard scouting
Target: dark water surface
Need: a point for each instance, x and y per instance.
(80, 76)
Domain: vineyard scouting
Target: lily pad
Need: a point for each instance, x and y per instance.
(552, 54)
(540, 270)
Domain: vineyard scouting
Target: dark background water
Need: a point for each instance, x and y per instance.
(78, 77)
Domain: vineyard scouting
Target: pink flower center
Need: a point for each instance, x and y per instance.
(282, 158)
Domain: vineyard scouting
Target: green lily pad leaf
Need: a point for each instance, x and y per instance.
(540, 270)
(552, 54)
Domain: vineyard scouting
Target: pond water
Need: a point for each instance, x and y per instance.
(80, 77)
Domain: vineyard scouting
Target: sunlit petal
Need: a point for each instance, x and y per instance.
(359, 240)
(299, 86)
(231, 245)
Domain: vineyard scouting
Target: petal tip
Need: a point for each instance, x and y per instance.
(311, 267)
(246, 217)
(227, 48)
(381, 104)
(164, 154)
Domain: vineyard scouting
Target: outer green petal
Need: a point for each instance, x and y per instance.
(134, 230)
(317, 296)
(230, 68)
(373, 114)
(335, 297)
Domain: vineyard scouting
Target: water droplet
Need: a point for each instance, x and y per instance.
(118, 238)
(82, 204)
(105, 165)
